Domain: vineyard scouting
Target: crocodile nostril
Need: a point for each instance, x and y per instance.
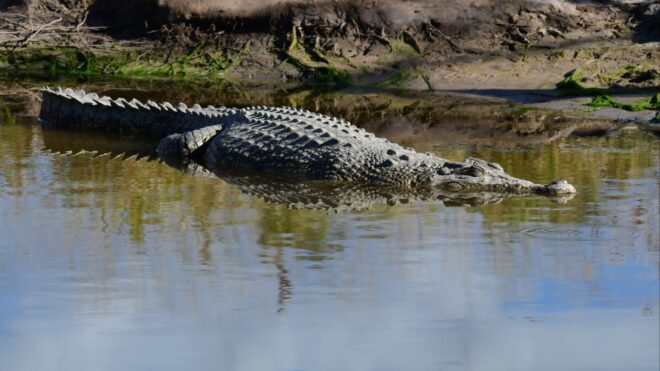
(443, 171)
(386, 163)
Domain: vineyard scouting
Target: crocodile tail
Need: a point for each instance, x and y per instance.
(77, 110)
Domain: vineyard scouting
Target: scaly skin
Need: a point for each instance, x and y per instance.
(295, 143)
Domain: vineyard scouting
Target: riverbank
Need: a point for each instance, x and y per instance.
(402, 116)
(519, 50)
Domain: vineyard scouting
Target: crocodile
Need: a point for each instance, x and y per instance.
(311, 195)
(297, 144)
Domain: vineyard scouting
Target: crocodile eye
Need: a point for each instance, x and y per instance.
(476, 170)
(496, 166)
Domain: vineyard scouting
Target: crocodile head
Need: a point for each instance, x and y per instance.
(476, 175)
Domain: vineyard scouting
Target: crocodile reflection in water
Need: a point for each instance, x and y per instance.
(337, 196)
(327, 195)
(283, 141)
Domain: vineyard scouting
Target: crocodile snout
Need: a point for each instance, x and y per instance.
(556, 188)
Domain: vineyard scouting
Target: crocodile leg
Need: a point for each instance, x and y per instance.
(181, 147)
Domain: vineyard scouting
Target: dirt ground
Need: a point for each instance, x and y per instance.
(516, 49)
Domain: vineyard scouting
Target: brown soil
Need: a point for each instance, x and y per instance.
(515, 48)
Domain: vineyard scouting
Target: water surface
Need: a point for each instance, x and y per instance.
(113, 263)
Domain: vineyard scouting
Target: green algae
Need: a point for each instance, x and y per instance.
(607, 101)
(570, 85)
(55, 62)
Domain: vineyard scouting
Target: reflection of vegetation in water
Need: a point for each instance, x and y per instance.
(138, 199)
(282, 227)
(16, 146)
(201, 221)
(146, 190)
(584, 161)
(9, 117)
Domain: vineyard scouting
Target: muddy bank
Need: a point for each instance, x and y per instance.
(402, 116)
(518, 49)
(420, 44)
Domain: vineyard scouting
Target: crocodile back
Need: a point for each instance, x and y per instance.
(309, 145)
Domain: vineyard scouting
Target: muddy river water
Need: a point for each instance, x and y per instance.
(112, 261)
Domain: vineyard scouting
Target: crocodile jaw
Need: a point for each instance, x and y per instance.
(477, 175)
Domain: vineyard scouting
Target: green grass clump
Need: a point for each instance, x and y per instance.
(329, 75)
(607, 101)
(54, 62)
(399, 79)
(73, 62)
(570, 85)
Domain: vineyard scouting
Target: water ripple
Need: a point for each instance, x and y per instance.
(563, 234)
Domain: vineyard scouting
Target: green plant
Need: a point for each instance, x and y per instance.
(571, 86)
(607, 101)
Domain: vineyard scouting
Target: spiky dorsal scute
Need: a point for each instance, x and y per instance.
(310, 145)
(282, 140)
(75, 109)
